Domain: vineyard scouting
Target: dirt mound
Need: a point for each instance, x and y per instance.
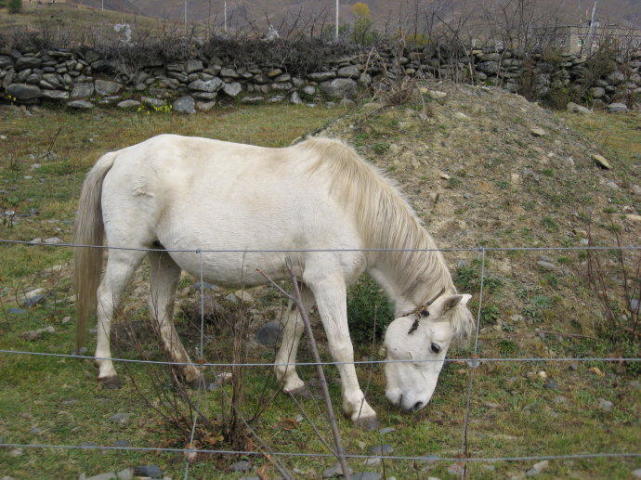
(485, 167)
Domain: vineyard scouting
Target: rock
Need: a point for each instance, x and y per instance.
(122, 443)
(456, 469)
(617, 108)
(193, 65)
(636, 473)
(153, 102)
(385, 430)
(616, 77)
(121, 418)
(253, 477)
(551, 384)
(37, 334)
(82, 90)
(538, 132)
(367, 476)
(634, 304)
(5, 61)
(321, 76)
(151, 471)
(381, 450)
(550, 267)
(633, 218)
(232, 89)
(205, 106)
(209, 86)
(28, 62)
(16, 452)
(34, 297)
(240, 466)
(597, 92)
(339, 88)
(537, 468)
(461, 116)
(351, 71)
(605, 405)
(127, 104)
(105, 87)
(80, 105)
(601, 161)
(488, 67)
(53, 241)
(127, 474)
(55, 94)
(295, 99)
(24, 92)
(252, 100)
(16, 311)
(269, 334)
(184, 104)
(309, 91)
(372, 461)
(335, 471)
(274, 73)
(436, 94)
(574, 108)
(229, 73)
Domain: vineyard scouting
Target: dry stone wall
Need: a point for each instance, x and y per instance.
(81, 79)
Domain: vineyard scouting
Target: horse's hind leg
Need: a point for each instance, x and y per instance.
(292, 332)
(120, 266)
(165, 274)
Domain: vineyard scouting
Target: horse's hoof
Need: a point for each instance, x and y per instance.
(301, 392)
(367, 423)
(110, 383)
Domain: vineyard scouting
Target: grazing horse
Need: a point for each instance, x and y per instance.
(315, 205)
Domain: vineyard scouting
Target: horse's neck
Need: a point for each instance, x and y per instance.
(429, 282)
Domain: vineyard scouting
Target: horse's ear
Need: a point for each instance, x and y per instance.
(454, 300)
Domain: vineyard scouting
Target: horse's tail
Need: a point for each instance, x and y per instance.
(89, 230)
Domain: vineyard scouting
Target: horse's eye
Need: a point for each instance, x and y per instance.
(425, 313)
(435, 348)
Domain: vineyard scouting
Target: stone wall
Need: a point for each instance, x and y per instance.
(81, 79)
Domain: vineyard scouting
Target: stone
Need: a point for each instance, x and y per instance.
(127, 104)
(617, 108)
(384, 449)
(633, 218)
(339, 88)
(153, 102)
(209, 86)
(269, 334)
(597, 92)
(193, 65)
(184, 104)
(537, 468)
(461, 116)
(82, 90)
(5, 61)
(285, 77)
(24, 92)
(252, 100)
(16, 311)
(205, 106)
(309, 91)
(616, 77)
(636, 473)
(490, 67)
(335, 471)
(575, 108)
(548, 266)
(28, 62)
(151, 471)
(38, 334)
(274, 73)
(60, 95)
(80, 105)
(232, 89)
(229, 73)
(601, 161)
(372, 461)
(105, 88)
(126, 474)
(121, 418)
(240, 466)
(351, 71)
(456, 469)
(538, 132)
(321, 76)
(282, 87)
(295, 98)
(605, 405)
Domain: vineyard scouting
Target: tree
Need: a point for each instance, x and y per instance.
(15, 6)
(361, 10)
(363, 25)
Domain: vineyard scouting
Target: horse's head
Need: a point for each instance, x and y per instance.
(420, 341)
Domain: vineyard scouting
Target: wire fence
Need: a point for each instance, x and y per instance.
(473, 362)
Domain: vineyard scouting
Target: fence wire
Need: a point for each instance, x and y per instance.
(473, 362)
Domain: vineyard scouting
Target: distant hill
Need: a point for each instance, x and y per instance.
(390, 13)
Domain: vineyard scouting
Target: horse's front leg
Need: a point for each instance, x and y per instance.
(330, 294)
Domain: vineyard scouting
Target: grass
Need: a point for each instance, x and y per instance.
(513, 412)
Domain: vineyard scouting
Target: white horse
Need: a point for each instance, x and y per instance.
(185, 193)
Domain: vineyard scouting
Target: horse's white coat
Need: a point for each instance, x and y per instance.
(196, 193)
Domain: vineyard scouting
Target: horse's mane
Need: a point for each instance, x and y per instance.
(385, 219)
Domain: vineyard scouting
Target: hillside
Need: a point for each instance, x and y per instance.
(480, 166)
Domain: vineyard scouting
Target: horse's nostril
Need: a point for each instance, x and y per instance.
(417, 406)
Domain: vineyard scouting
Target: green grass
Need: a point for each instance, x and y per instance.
(513, 412)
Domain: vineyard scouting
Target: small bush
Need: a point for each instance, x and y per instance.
(368, 311)
(15, 6)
